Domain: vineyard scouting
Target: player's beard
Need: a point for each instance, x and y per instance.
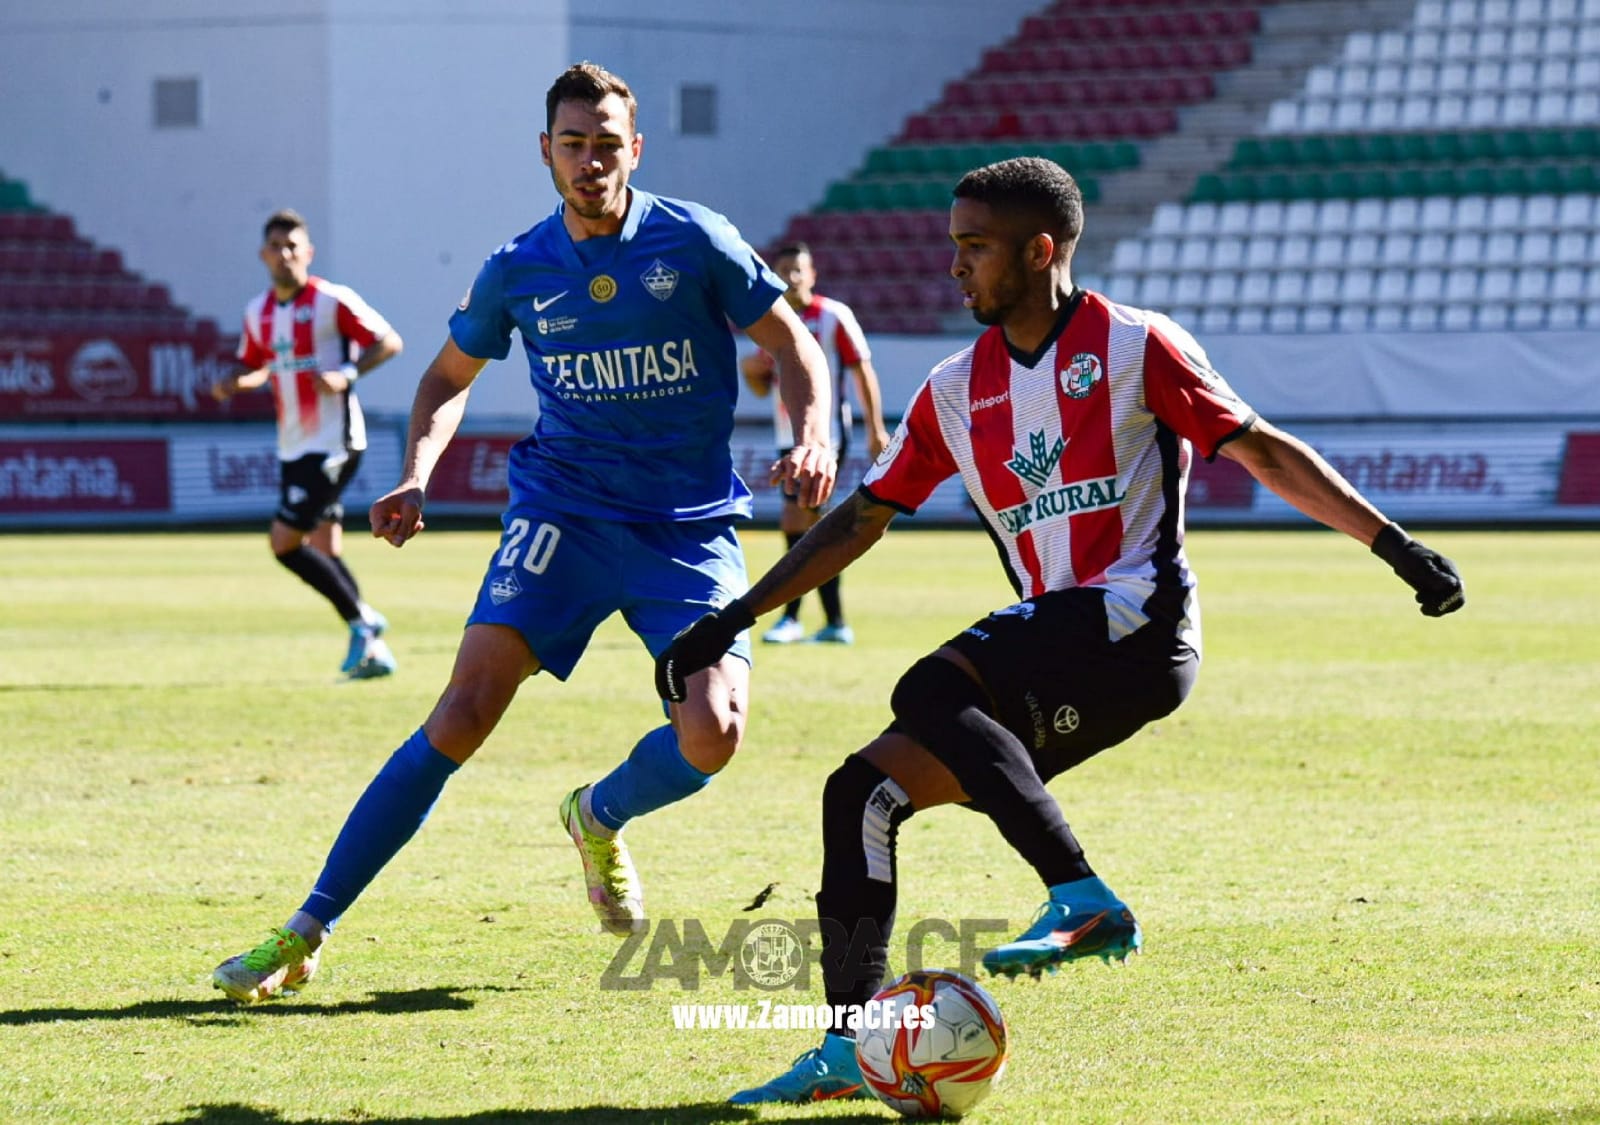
(1006, 295)
(586, 208)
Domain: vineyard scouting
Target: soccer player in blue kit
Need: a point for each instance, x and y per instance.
(622, 499)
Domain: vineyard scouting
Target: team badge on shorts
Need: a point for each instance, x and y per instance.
(660, 280)
(1079, 377)
(603, 288)
(504, 587)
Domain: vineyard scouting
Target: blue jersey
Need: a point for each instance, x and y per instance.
(631, 354)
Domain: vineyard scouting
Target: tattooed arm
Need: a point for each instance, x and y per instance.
(838, 539)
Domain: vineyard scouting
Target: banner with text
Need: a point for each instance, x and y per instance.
(48, 377)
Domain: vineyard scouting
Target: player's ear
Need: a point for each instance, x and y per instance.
(637, 147)
(544, 148)
(1041, 251)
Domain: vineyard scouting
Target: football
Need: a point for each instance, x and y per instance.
(937, 1046)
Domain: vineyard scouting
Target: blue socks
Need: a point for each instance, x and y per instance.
(388, 814)
(653, 775)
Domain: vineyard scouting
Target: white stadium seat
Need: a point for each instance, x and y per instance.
(1227, 254)
(1466, 249)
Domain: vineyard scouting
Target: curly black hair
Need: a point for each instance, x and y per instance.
(1040, 189)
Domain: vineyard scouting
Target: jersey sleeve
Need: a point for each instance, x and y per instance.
(358, 321)
(848, 339)
(915, 461)
(253, 352)
(480, 326)
(743, 284)
(1183, 390)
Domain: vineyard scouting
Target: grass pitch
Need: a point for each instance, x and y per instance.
(1364, 852)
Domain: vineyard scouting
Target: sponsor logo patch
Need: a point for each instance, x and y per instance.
(1079, 377)
(602, 288)
(504, 587)
(660, 280)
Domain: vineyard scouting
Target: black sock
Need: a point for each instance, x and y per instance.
(319, 572)
(829, 593)
(790, 538)
(948, 712)
(862, 811)
(355, 588)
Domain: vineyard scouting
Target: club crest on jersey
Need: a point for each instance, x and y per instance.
(1036, 465)
(504, 587)
(660, 280)
(1079, 377)
(602, 288)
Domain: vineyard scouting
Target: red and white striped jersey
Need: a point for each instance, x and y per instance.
(1077, 459)
(837, 330)
(322, 328)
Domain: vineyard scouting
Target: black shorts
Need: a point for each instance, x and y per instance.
(309, 488)
(1061, 685)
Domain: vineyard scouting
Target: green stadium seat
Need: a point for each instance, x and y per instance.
(1512, 180)
(881, 162)
(1380, 148)
(1477, 180)
(842, 195)
(1583, 144)
(1272, 185)
(14, 196)
(1582, 179)
(1345, 150)
(1090, 188)
(1281, 152)
(1479, 146)
(1125, 154)
(1306, 185)
(1444, 147)
(1548, 179)
(1407, 181)
(1209, 188)
(1515, 145)
(1440, 181)
(1550, 144)
(1342, 184)
(1248, 153)
(1373, 183)
(1412, 148)
(1315, 152)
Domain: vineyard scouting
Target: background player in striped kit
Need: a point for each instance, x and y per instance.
(623, 499)
(1073, 421)
(311, 340)
(834, 325)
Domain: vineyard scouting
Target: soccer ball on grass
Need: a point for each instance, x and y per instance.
(937, 1046)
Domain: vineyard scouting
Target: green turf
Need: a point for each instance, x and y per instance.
(1364, 852)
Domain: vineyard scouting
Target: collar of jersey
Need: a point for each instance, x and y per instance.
(1074, 299)
(639, 203)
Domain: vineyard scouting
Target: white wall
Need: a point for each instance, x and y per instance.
(406, 130)
(804, 89)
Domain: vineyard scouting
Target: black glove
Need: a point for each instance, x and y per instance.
(699, 646)
(1430, 574)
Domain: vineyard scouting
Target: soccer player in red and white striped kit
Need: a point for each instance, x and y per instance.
(311, 340)
(1073, 422)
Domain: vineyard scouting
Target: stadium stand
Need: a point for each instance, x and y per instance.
(1294, 166)
(54, 280)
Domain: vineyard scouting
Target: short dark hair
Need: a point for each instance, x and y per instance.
(791, 250)
(285, 219)
(588, 83)
(1042, 190)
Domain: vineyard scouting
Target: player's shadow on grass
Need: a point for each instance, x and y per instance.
(706, 1113)
(207, 1011)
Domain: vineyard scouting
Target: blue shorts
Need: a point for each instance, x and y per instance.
(555, 577)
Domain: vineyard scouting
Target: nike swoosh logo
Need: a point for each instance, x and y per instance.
(540, 306)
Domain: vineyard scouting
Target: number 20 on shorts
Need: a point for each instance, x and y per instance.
(540, 548)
